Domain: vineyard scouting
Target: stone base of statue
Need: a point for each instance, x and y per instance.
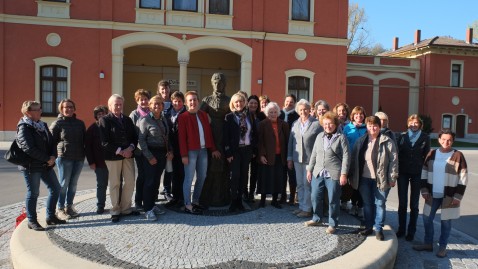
(216, 189)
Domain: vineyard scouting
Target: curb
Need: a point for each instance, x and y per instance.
(31, 249)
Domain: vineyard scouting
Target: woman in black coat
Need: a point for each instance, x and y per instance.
(34, 138)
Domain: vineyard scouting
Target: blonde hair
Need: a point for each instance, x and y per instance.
(141, 93)
(27, 105)
(60, 105)
(234, 98)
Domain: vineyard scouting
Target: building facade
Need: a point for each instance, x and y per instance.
(87, 50)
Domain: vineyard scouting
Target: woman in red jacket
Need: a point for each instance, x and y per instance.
(195, 137)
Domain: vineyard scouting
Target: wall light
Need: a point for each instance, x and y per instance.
(102, 74)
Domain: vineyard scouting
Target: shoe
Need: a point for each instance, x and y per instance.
(132, 213)
(344, 206)
(157, 210)
(400, 233)
(35, 226)
(61, 214)
(276, 204)
(115, 218)
(379, 235)
(150, 215)
(360, 212)
(366, 232)
(262, 203)
(171, 203)
(330, 230)
(423, 247)
(297, 211)
(193, 211)
(441, 253)
(409, 237)
(100, 210)
(353, 210)
(232, 207)
(168, 197)
(198, 206)
(53, 220)
(70, 210)
(310, 223)
(250, 198)
(304, 214)
(240, 206)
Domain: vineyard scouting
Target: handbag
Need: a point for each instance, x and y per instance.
(16, 155)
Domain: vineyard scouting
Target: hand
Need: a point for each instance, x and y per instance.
(426, 196)
(169, 155)
(185, 160)
(216, 154)
(455, 202)
(309, 176)
(51, 161)
(392, 183)
(230, 159)
(93, 166)
(127, 153)
(263, 160)
(343, 180)
(290, 165)
(153, 161)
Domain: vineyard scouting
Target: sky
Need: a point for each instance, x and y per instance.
(389, 19)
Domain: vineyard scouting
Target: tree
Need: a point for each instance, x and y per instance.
(358, 35)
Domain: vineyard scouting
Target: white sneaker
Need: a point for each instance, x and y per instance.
(158, 211)
(150, 215)
(61, 214)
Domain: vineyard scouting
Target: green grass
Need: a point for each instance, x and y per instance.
(456, 144)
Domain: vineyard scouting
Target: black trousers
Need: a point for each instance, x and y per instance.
(240, 171)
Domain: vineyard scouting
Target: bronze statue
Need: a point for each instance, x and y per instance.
(216, 187)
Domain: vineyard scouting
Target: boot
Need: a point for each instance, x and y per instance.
(263, 201)
(292, 197)
(240, 206)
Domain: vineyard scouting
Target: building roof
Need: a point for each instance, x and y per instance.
(437, 41)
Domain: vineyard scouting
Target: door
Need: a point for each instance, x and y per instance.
(460, 126)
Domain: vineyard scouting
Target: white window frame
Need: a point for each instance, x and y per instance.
(453, 121)
(185, 18)
(462, 68)
(302, 27)
(43, 61)
(52, 9)
(218, 21)
(150, 15)
(300, 73)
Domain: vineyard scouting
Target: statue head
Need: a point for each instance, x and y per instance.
(218, 81)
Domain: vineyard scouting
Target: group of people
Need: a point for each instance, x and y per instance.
(327, 157)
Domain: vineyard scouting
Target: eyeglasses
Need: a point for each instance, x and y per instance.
(68, 107)
(38, 109)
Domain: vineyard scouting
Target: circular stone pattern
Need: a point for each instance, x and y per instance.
(261, 238)
(300, 54)
(455, 100)
(53, 39)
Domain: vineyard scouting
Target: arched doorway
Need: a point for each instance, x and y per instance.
(460, 126)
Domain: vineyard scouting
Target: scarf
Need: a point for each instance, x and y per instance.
(38, 125)
(142, 112)
(286, 113)
(241, 115)
(413, 136)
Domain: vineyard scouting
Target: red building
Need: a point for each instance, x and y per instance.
(86, 50)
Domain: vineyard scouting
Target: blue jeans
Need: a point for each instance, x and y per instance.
(319, 185)
(32, 180)
(429, 227)
(403, 181)
(197, 163)
(374, 208)
(101, 185)
(68, 173)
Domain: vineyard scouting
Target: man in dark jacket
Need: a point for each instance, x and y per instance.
(118, 138)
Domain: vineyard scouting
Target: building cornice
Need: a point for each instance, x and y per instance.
(124, 26)
(441, 50)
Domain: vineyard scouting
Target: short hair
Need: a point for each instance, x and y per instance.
(234, 98)
(264, 97)
(219, 76)
(447, 132)
(356, 110)
(330, 116)
(141, 93)
(302, 102)
(113, 98)
(177, 94)
(164, 83)
(346, 107)
(322, 103)
(191, 93)
(99, 109)
(416, 117)
(244, 93)
(373, 120)
(27, 105)
(60, 105)
(270, 106)
(156, 98)
(292, 96)
(382, 115)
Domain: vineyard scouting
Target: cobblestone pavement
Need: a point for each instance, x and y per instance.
(265, 237)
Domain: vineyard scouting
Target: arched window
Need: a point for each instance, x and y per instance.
(300, 87)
